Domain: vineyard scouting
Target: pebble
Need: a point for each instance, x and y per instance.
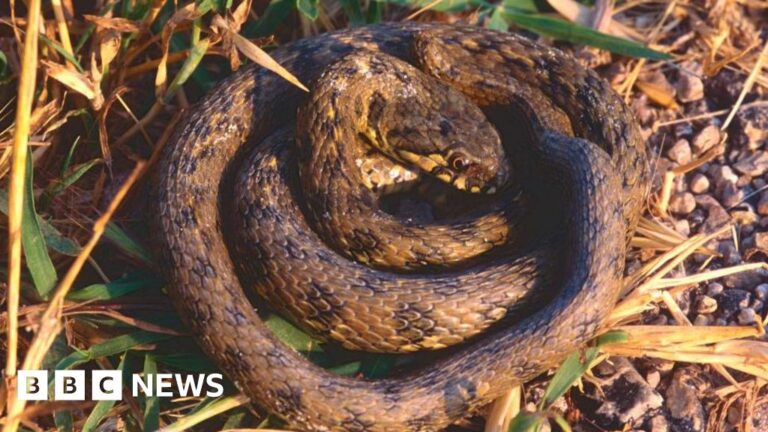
(733, 300)
(729, 252)
(706, 305)
(682, 203)
(699, 183)
(743, 280)
(653, 378)
(702, 320)
(747, 316)
(714, 289)
(658, 424)
(683, 227)
(761, 240)
(762, 205)
(731, 195)
(761, 291)
(754, 164)
(724, 88)
(683, 403)
(752, 128)
(722, 174)
(706, 139)
(689, 86)
(716, 214)
(680, 152)
(627, 395)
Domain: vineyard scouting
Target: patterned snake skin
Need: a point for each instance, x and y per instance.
(585, 142)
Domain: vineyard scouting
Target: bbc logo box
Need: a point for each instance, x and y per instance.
(70, 385)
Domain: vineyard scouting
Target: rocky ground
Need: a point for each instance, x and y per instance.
(682, 109)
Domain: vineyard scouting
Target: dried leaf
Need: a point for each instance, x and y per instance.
(240, 15)
(109, 46)
(119, 24)
(75, 81)
(657, 93)
(256, 54)
(184, 15)
(102, 120)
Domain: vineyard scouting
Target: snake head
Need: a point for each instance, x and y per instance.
(446, 136)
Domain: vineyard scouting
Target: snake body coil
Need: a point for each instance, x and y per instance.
(584, 140)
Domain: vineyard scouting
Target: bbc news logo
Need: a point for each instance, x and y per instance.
(71, 385)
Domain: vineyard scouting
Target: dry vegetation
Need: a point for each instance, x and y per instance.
(90, 99)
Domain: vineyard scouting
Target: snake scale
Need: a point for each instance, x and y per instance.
(242, 140)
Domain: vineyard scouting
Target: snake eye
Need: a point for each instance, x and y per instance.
(458, 162)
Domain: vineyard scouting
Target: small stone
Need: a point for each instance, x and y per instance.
(690, 87)
(743, 280)
(658, 424)
(699, 183)
(751, 128)
(761, 291)
(682, 203)
(702, 320)
(723, 174)
(683, 403)
(716, 214)
(734, 415)
(706, 139)
(762, 205)
(683, 227)
(680, 152)
(761, 240)
(706, 305)
(746, 316)
(714, 289)
(663, 366)
(733, 300)
(730, 253)
(754, 164)
(653, 378)
(731, 195)
(745, 217)
(627, 395)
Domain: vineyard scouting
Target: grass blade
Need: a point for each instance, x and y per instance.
(196, 55)
(114, 346)
(102, 407)
(210, 410)
(117, 288)
(126, 243)
(308, 8)
(35, 250)
(564, 30)
(526, 422)
(56, 188)
(151, 403)
(573, 368)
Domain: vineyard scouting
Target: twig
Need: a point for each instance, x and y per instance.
(61, 22)
(16, 193)
(747, 86)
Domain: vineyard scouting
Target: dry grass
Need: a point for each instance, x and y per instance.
(99, 89)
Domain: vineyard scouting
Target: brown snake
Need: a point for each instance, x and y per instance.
(585, 142)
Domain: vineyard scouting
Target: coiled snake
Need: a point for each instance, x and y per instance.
(417, 96)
